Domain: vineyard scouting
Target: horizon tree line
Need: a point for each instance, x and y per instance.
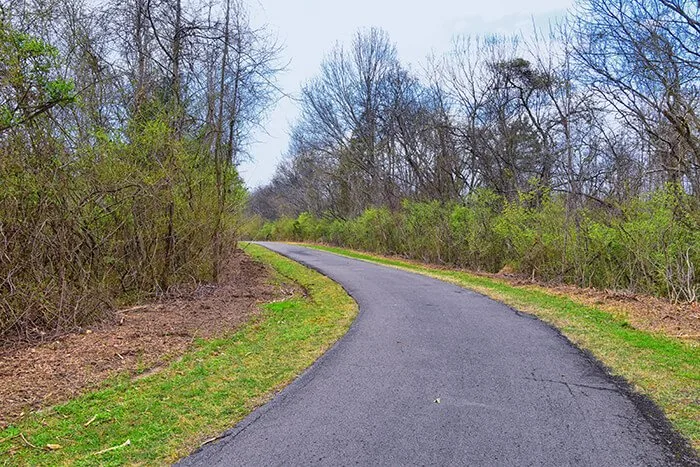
(600, 107)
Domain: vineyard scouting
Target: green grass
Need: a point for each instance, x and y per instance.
(168, 414)
(663, 368)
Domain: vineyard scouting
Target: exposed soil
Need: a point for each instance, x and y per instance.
(140, 338)
(680, 320)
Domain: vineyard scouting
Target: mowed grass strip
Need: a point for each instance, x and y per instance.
(166, 415)
(665, 369)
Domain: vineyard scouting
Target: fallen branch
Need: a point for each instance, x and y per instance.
(210, 440)
(87, 424)
(124, 444)
(27, 442)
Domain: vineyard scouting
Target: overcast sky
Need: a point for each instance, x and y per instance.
(309, 29)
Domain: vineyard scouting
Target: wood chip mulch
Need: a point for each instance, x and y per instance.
(680, 320)
(149, 336)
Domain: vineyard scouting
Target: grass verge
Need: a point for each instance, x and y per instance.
(166, 415)
(663, 368)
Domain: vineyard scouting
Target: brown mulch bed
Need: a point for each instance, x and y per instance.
(144, 337)
(680, 320)
(644, 312)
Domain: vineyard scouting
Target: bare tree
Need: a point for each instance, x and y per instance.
(643, 64)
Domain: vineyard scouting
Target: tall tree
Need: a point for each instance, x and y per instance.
(642, 61)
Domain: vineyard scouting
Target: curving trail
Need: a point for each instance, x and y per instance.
(511, 389)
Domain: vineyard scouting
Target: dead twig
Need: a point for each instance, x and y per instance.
(113, 448)
(210, 440)
(87, 424)
(27, 442)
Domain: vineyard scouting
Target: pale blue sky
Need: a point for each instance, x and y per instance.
(309, 29)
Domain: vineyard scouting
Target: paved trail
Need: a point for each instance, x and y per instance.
(511, 390)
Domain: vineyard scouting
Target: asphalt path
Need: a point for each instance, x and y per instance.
(434, 374)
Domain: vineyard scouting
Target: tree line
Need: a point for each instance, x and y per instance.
(121, 126)
(593, 122)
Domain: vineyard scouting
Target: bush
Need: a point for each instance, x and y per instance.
(649, 244)
(473, 239)
(87, 229)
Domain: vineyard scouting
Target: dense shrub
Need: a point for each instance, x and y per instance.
(374, 230)
(650, 244)
(94, 216)
(81, 232)
(470, 225)
(426, 231)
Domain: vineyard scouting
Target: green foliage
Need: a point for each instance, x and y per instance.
(426, 231)
(649, 244)
(374, 230)
(470, 224)
(535, 238)
(30, 82)
(306, 227)
(107, 222)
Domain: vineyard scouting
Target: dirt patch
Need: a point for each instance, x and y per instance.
(679, 320)
(141, 339)
(643, 312)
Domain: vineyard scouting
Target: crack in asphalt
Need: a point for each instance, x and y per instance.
(568, 384)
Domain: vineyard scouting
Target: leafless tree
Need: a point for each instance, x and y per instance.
(642, 61)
